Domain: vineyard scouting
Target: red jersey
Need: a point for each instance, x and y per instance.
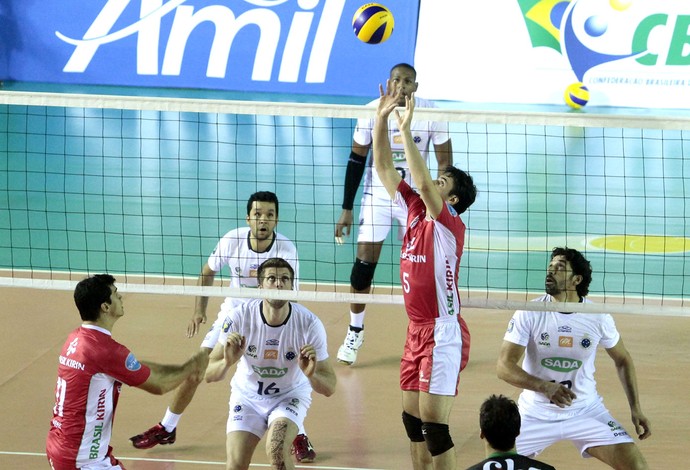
(92, 368)
(429, 259)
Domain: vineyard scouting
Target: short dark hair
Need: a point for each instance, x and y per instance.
(274, 263)
(463, 188)
(90, 293)
(579, 265)
(499, 420)
(404, 65)
(262, 196)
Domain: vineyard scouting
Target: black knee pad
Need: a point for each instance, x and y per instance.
(437, 438)
(413, 426)
(362, 274)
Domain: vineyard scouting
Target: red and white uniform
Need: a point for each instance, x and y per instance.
(438, 340)
(92, 368)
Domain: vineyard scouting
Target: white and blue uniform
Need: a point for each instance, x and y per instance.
(268, 382)
(561, 347)
(235, 252)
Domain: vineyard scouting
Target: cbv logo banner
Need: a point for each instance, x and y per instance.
(284, 46)
(631, 53)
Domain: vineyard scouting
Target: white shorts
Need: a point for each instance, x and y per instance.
(595, 427)
(255, 415)
(376, 218)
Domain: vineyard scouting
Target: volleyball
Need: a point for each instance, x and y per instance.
(576, 95)
(373, 23)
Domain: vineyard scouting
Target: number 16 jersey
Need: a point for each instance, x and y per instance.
(269, 366)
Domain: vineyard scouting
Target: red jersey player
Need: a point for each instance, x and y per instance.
(92, 367)
(438, 341)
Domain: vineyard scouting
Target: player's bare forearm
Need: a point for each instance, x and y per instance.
(323, 381)
(225, 356)
(444, 156)
(206, 278)
(559, 394)
(382, 154)
(625, 368)
(628, 379)
(216, 370)
(508, 370)
(165, 377)
(418, 169)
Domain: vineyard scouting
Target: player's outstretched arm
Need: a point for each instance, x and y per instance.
(382, 154)
(320, 373)
(206, 278)
(224, 356)
(164, 378)
(625, 367)
(418, 169)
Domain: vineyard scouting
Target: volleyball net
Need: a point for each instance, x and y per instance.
(143, 188)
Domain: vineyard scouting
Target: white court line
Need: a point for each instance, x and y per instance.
(197, 462)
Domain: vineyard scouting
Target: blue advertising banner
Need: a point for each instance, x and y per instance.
(281, 46)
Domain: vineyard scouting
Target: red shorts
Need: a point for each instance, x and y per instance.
(435, 353)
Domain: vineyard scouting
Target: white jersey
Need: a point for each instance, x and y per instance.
(235, 252)
(423, 132)
(560, 347)
(269, 366)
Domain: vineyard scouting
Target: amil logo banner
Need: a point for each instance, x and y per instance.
(283, 46)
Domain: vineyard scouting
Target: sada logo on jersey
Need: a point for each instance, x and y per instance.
(561, 364)
(295, 36)
(270, 372)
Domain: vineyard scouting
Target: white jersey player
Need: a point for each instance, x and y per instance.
(377, 212)
(242, 250)
(560, 400)
(235, 251)
(281, 355)
(563, 349)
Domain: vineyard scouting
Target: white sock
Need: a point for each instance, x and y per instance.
(357, 319)
(170, 420)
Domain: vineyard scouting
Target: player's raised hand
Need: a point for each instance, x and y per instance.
(405, 119)
(388, 100)
(234, 347)
(307, 360)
